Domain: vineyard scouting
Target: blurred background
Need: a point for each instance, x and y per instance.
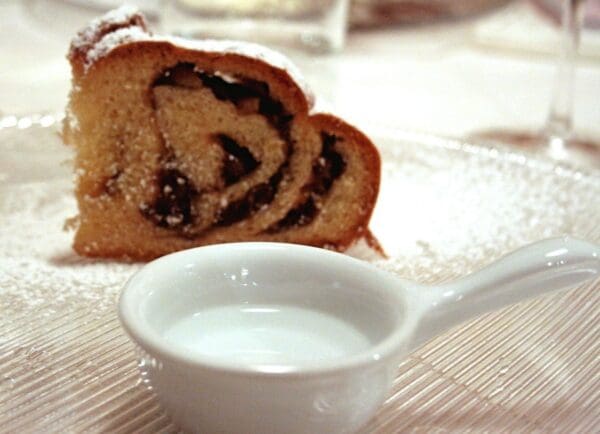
(440, 66)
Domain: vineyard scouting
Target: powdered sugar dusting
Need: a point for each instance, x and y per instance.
(112, 40)
(115, 17)
(133, 29)
(72, 120)
(37, 264)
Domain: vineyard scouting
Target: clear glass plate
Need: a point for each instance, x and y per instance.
(446, 208)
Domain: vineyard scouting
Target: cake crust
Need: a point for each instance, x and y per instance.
(265, 168)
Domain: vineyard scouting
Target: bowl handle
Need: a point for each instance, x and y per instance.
(546, 266)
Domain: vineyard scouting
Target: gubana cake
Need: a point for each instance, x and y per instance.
(183, 143)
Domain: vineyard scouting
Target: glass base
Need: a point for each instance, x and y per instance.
(576, 151)
(373, 14)
(312, 26)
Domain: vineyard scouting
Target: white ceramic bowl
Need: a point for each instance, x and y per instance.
(280, 338)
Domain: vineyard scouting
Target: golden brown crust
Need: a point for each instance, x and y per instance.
(120, 147)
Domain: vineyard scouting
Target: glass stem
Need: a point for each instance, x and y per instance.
(560, 118)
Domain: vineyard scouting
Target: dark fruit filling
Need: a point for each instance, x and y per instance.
(172, 207)
(238, 161)
(329, 166)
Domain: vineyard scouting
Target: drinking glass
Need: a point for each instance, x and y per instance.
(557, 138)
(309, 25)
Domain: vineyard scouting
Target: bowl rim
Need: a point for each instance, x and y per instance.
(152, 342)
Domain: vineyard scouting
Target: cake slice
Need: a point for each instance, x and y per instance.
(184, 143)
